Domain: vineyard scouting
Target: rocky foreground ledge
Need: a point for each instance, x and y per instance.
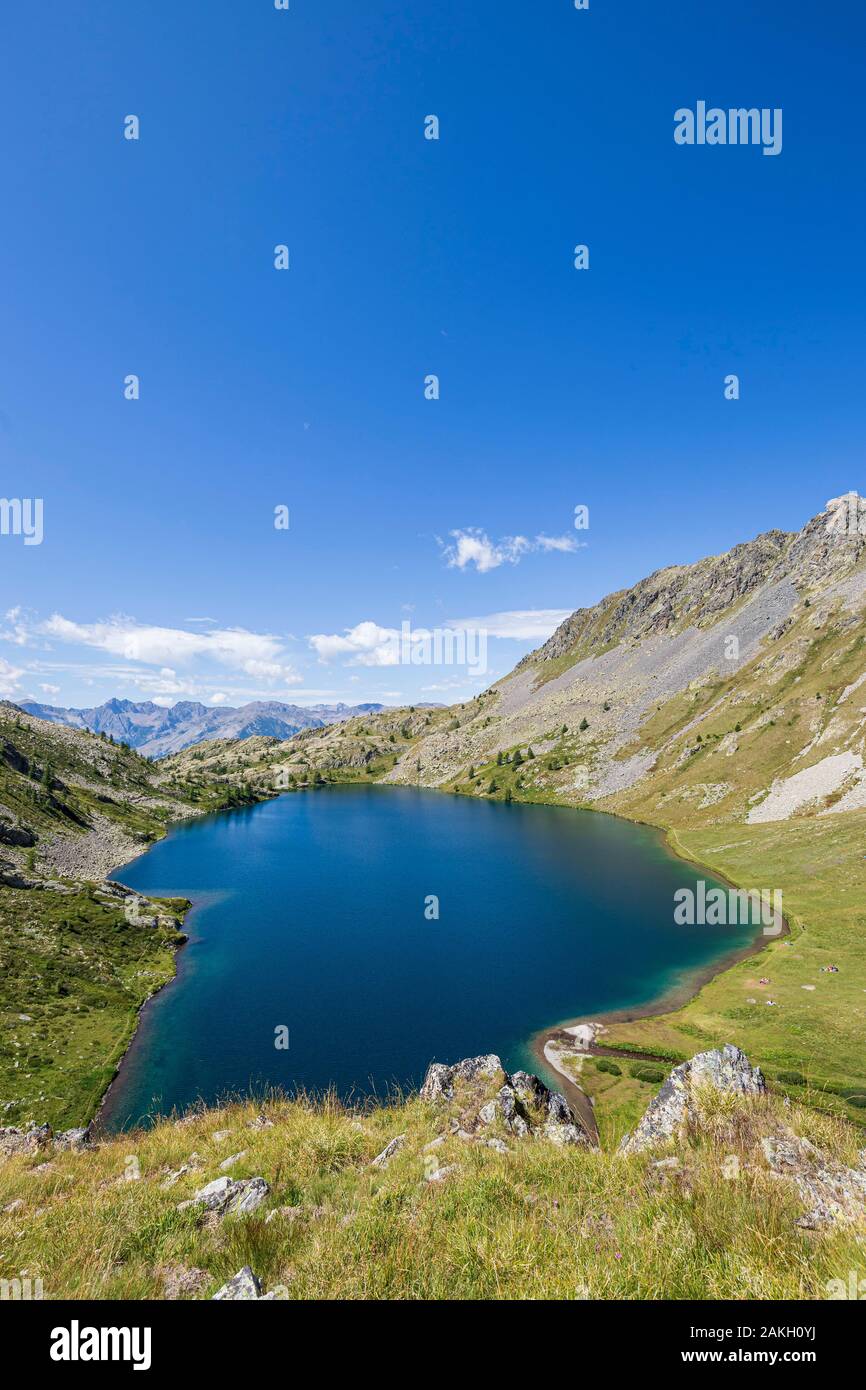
(469, 1115)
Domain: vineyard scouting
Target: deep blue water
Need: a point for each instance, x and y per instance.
(310, 914)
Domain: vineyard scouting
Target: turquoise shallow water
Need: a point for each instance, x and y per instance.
(310, 915)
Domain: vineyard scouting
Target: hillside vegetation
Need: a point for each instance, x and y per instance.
(436, 1199)
(78, 956)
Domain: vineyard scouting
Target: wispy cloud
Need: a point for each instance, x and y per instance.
(473, 546)
(518, 625)
(255, 654)
(369, 644)
(10, 680)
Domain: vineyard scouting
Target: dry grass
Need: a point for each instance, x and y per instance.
(539, 1222)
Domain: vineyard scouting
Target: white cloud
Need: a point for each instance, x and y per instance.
(366, 644)
(473, 546)
(10, 679)
(520, 625)
(369, 644)
(256, 654)
(561, 543)
(50, 689)
(17, 632)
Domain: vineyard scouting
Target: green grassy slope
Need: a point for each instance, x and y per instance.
(536, 1222)
(74, 971)
(73, 975)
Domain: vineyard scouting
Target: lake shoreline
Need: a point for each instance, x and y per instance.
(669, 1001)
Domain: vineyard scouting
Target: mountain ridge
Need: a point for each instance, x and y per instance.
(157, 730)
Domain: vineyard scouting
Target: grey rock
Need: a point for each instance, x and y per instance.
(514, 1114)
(560, 1126)
(832, 1193)
(31, 1140)
(74, 1139)
(233, 1159)
(391, 1148)
(441, 1174)
(440, 1080)
(727, 1069)
(20, 836)
(244, 1287)
(487, 1095)
(236, 1196)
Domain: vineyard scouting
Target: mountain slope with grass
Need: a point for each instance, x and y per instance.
(78, 955)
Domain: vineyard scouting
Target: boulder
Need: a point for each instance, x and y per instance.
(139, 912)
(232, 1160)
(675, 1106)
(245, 1286)
(236, 1196)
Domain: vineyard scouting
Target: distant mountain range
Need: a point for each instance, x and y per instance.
(156, 731)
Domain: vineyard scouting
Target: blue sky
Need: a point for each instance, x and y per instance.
(160, 573)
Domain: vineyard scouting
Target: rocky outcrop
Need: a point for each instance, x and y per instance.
(15, 834)
(35, 1138)
(12, 877)
(676, 1106)
(74, 1139)
(14, 1141)
(831, 1192)
(482, 1096)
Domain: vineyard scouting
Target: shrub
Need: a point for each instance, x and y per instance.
(792, 1078)
(605, 1064)
(645, 1071)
